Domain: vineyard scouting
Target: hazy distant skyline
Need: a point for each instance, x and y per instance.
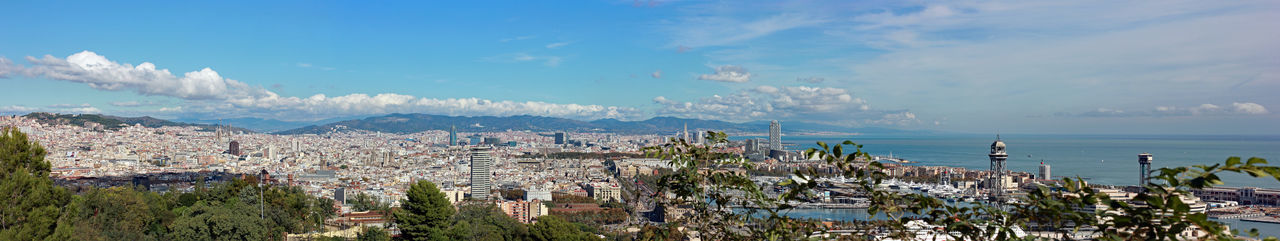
(1168, 67)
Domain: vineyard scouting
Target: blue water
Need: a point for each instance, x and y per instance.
(1102, 159)
(1110, 160)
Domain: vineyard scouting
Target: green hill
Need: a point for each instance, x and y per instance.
(109, 122)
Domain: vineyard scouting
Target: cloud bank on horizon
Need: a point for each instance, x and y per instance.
(207, 92)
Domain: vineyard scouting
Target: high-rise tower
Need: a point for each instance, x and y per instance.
(686, 133)
(775, 135)
(561, 138)
(1044, 172)
(233, 148)
(453, 135)
(1144, 168)
(998, 156)
(481, 179)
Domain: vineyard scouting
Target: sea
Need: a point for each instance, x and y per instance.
(1100, 159)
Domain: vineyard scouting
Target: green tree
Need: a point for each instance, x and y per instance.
(373, 234)
(660, 233)
(486, 222)
(553, 228)
(29, 202)
(365, 202)
(425, 215)
(117, 213)
(461, 230)
(229, 221)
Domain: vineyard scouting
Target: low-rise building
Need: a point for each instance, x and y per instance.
(1241, 195)
(523, 211)
(454, 196)
(605, 191)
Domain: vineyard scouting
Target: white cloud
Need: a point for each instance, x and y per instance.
(728, 73)
(7, 67)
(811, 80)
(1238, 108)
(17, 109)
(100, 73)
(63, 106)
(126, 103)
(1005, 55)
(656, 74)
(818, 104)
(958, 58)
(57, 108)
(1249, 108)
(551, 61)
(81, 110)
(304, 65)
(133, 103)
(702, 30)
(931, 13)
(557, 45)
(209, 93)
(357, 104)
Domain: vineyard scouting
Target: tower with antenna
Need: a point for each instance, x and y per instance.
(1144, 168)
(998, 157)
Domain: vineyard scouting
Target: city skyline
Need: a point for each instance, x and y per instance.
(1039, 67)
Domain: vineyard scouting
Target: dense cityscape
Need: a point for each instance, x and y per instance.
(524, 174)
(641, 120)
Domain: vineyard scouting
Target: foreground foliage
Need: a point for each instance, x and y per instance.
(35, 209)
(724, 204)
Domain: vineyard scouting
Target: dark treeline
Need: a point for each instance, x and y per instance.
(427, 215)
(34, 208)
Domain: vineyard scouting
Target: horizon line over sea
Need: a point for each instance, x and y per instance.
(1100, 158)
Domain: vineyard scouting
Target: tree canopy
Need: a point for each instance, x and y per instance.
(29, 202)
(426, 214)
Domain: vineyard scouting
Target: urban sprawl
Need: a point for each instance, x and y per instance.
(490, 165)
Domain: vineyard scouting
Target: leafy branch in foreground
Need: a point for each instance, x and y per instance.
(723, 202)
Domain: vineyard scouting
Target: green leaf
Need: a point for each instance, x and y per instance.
(1256, 161)
(1233, 161)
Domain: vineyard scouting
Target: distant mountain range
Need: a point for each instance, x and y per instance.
(265, 125)
(113, 122)
(410, 123)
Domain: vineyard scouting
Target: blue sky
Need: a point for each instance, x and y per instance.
(1173, 67)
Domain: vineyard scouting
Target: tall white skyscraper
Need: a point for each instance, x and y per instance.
(1044, 172)
(481, 179)
(775, 135)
